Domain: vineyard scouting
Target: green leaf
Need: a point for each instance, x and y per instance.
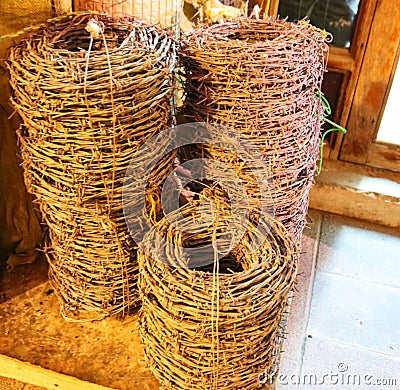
(310, 10)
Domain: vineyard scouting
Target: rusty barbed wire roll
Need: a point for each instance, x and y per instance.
(90, 90)
(262, 78)
(217, 326)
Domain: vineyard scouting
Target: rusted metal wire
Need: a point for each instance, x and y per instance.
(215, 327)
(262, 78)
(90, 90)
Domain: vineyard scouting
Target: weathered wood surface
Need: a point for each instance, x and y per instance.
(16, 369)
(376, 72)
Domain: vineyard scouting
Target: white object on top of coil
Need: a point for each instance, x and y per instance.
(94, 27)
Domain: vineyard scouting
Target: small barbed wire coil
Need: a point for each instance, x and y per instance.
(199, 334)
(90, 89)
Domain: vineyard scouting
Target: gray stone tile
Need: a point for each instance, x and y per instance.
(300, 303)
(359, 250)
(330, 365)
(314, 219)
(288, 368)
(298, 317)
(355, 312)
(296, 329)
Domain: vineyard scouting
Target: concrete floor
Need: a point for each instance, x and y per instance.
(344, 325)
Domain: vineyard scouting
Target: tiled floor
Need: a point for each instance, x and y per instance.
(344, 326)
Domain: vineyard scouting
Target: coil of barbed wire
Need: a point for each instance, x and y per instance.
(262, 78)
(90, 89)
(215, 326)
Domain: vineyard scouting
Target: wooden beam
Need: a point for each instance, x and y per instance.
(340, 58)
(384, 156)
(35, 375)
(356, 52)
(366, 206)
(358, 191)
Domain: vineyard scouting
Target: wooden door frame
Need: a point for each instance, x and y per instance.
(371, 92)
(347, 61)
(350, 62)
